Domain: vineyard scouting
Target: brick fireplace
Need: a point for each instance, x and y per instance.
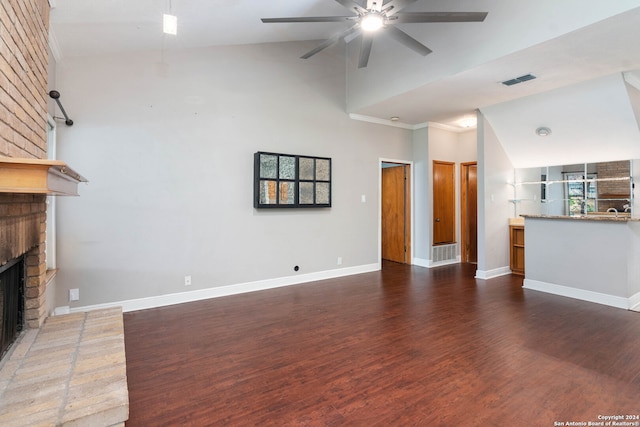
(22, 232)
(23, 120)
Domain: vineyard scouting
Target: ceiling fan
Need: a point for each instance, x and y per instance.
(380, 15)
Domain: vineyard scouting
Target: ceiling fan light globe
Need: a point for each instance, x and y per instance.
(372, 22)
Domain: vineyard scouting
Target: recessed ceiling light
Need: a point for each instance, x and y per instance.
(468, 122)
(395, 118)
(170, 24)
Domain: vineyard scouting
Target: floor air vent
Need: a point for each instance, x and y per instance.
(520, 79)
(444, 253)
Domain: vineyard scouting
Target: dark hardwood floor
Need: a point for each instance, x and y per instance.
(401, 347)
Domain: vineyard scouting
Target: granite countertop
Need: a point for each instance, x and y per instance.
(622, 217)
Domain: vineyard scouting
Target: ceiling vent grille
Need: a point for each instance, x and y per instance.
(520, 79)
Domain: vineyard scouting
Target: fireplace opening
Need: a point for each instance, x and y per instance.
(11, 303)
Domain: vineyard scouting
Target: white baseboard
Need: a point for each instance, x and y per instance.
(222, 291)
(581, 294)
(441, 263)
(61, 310)
(420, 262)
(491, 274)
(430, 264)
(634, 302)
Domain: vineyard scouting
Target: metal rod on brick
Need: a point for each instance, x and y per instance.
(56, 97)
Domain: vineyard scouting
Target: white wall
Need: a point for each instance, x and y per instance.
(634, 94)
(421, 197)
(167, 142)
(495, 172)
(468, 146)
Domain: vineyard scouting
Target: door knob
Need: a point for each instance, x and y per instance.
(437, 219)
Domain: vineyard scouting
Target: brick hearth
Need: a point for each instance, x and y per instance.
(70, 372)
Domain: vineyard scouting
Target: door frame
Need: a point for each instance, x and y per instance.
(463, 208)
(410, 235)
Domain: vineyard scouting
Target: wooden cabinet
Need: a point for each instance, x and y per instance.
(516, 248)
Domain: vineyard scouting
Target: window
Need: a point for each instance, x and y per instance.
(50, 242)
(581, 194)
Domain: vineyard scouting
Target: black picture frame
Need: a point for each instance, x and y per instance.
(285, 181)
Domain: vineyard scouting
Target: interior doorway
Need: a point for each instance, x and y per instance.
(395, 206)
(469, 211)
(444, 203)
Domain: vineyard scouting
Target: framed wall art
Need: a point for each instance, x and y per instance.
(291, 181)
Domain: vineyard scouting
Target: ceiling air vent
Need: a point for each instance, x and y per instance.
(517, 80)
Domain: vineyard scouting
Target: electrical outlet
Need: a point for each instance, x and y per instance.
(74, 294)
(187, 280)
(339, 260)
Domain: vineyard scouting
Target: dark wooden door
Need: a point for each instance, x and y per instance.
(444, 204)
(395, 214)
(469, 212)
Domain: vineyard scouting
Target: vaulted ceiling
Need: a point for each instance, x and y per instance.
(561, 42)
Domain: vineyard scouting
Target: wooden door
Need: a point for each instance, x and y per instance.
(469, 211)
(444, 204)
(396, 222)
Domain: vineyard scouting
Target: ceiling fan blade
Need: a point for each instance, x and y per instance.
(404, 38)
(325, 44)
(330, 41)
(352, 5)
(309, 19)
(365, 50)
(353, 35)
(395, 6)
(417, 17)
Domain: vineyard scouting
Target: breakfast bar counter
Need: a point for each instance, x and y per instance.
(591, 257)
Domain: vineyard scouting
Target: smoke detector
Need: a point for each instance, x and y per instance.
(543, 131)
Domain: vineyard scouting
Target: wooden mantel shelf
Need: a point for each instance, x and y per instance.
(38, 176)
